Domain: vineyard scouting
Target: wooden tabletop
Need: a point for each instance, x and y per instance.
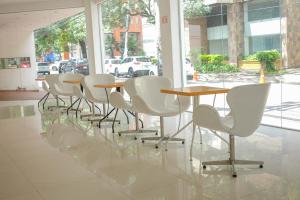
(40, 79)
(72, 81)
(195, 90)
(113, 85)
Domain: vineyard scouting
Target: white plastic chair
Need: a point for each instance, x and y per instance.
(67, 89)
(247, 105)
(98, 95)
(149, 100)
(118, 101)
(52, 80)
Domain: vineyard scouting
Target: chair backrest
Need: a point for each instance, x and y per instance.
(45, 86)
(52, 79)
(92, 92)
(129, 87)
(69, 77)
(247, 103)
(148, 88)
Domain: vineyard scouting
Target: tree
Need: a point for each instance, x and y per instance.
(194, 9)
(59, 35)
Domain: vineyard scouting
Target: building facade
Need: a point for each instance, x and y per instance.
(239, 29)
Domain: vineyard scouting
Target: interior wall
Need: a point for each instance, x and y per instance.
(17, 42)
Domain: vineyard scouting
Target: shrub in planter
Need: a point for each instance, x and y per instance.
(211, 58)
(219, 68)
(268, 59)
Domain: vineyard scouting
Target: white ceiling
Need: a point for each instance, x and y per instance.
(18, 1)
(35, 19)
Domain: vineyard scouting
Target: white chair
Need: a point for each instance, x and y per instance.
(52, 80)
(98, 95)
(149, 100)
(118, 101)
(67, 89)
(247, 105)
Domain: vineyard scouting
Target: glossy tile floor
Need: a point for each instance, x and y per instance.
(49, 156)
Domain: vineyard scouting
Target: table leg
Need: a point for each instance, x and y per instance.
(195, 104)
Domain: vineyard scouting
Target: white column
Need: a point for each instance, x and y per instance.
(172, 37)
(94, 37)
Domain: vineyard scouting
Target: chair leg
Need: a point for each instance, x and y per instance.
(62, 100)
(46, 95)
(45, 101)
(126, 116)
(232, 161)
(137, 129)
(162, 136)
(142, 123)
(78, 107)
(113, 124)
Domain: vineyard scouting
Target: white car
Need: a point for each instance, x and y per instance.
(137, 65)
(112, 66)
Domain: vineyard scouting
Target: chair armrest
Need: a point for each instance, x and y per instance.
(207, 116)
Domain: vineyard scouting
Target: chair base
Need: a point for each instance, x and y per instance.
(161, 139)
(57, 107)
(137, 132)
(89, 117)
(233, 163)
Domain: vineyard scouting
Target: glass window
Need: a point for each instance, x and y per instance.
(260, 10)
(131, 34)
(266, 42)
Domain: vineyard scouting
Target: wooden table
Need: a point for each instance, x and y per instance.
(72, 81)
(195, 92)
(113, 85)
(40, 79)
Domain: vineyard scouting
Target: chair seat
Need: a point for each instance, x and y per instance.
(167, 111)
(228, 122)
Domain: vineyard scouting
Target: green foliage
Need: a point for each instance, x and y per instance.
(215, 59)
(194, 53)
(58, 36)
(268, 59)
(219, 68)
(194, 9)
(251, 57)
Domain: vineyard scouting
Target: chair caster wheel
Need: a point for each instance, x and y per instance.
(234, 175)
(182, 142)
(261, 166)
(119, 134)
(143, 141)
(156, 133)
(135, 138)
(156, 146)
(119, 122)
(204, 166)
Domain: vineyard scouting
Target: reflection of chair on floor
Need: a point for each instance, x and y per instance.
(149, 100)
(117, 101)
(247, 105)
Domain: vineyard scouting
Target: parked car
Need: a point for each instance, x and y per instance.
(137, 64)
(43, 68)
(69, 67)
(61, 65)
(189, 67)
(82, 66)
(112, 66)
